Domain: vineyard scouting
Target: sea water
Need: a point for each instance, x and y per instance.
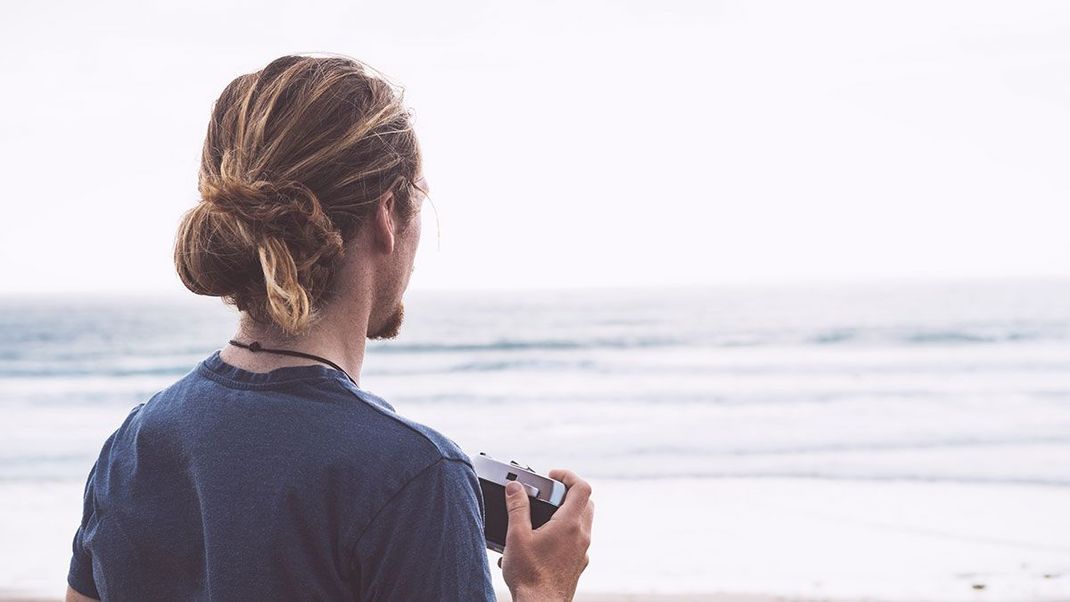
(646, 390)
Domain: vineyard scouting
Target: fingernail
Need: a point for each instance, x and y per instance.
(512, 488)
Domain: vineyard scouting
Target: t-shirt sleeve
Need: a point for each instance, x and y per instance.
(426, 543)
(80, 574)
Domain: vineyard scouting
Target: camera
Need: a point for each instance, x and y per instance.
(545, 495)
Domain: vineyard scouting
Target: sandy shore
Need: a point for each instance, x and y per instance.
(773, 540)
(589, 598)
(680, 598)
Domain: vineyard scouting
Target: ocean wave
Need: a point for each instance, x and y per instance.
(521, 364)
(120, 360)
(878, 336)
(889, 477)
(707, 451)
(77, 371)
(530, 345)
(982, 334)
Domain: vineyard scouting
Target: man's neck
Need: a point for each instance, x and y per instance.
(338, 338)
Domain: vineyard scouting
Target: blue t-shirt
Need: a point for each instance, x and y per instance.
(293, 484)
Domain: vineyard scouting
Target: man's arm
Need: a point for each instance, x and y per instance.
(80, 572)
(426, 543)
(74, 596)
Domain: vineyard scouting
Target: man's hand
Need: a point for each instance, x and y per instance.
(545, 564)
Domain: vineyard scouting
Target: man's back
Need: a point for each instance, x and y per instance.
(290, 484)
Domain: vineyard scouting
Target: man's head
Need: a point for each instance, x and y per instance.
(310, 179)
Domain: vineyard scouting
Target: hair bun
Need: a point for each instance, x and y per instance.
(269, 236)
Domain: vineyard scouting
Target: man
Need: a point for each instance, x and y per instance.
(266, 472)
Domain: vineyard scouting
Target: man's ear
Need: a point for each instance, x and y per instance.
(383, 223)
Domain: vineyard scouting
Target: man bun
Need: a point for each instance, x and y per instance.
(259, 238)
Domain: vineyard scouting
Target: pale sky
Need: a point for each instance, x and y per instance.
(574, 143)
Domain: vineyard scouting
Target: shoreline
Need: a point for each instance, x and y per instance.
(693, 597)
(589, 597)
(773, 540)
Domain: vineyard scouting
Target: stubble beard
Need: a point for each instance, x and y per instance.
(392, 326)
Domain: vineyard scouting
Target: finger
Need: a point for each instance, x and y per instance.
(518, 507)
(564, 475)
(578, 492)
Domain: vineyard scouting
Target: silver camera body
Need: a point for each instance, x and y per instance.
(545, 496)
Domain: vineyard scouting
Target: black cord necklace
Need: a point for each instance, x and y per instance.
(255, 347)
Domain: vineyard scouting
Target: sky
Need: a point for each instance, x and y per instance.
(574, 143)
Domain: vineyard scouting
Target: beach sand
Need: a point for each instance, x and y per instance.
(680, 598)
(588, 598)
(677, 540)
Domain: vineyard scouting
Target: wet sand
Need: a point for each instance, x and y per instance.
(585, 598)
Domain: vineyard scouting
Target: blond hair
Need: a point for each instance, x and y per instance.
(296, 158)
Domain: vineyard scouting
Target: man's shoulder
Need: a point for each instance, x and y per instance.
(421, 444)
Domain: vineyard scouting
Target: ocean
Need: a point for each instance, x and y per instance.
(951, 385)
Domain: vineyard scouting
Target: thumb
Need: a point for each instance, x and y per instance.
(518, 507)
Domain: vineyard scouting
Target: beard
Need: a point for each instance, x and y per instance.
(391, 327)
